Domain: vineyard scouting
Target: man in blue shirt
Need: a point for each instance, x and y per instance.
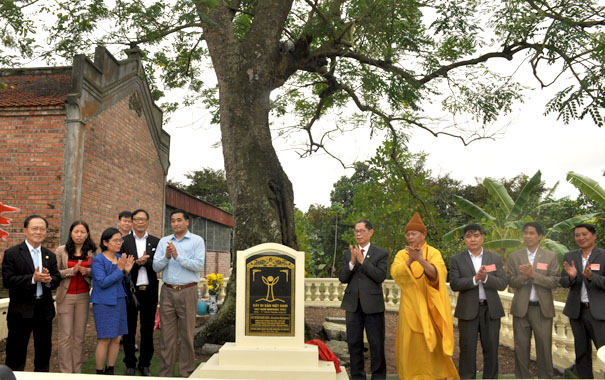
(180, 258)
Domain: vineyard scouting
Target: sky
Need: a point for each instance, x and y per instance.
(530, 141)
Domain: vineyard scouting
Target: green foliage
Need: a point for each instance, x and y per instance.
(504, 230)
(209, 185)
(588, 187)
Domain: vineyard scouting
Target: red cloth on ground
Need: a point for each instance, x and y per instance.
(325, 353)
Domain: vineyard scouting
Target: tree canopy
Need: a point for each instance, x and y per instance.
(389, 59)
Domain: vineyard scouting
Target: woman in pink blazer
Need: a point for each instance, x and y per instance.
(73, 294)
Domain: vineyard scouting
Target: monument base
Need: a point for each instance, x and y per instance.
(268, 363)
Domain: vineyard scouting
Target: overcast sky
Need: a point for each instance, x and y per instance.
(530, 142)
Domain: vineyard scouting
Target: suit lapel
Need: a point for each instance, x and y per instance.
(27, 256)
(467, 258)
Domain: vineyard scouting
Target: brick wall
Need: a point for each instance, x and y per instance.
(31, 168)
(122, 170)
(217, 262)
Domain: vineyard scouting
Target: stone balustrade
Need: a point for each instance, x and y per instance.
(328, 292)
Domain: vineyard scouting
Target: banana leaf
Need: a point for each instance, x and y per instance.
(498, 191)
(471, 209)
(570, 223)
(556, 247)
(453, 234)
(523, 197)
(588, 187)
(503, 244)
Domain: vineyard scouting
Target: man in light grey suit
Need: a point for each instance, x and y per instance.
(478, 275)
(533, 273)
(584, 274)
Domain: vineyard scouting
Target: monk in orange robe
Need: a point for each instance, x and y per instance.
(425, 333)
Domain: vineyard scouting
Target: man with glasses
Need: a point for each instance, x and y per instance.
(30, 273)
(364, 268)
(142, 247)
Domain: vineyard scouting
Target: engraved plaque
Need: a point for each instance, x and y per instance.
(270, 279)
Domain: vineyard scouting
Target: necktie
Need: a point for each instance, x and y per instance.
(37, 265)
(362, 252)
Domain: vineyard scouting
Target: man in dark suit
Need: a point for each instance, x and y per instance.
(584, 274)
(533, 272)
(478, 275)
(364, 268)
(30, 273)
(142, 247)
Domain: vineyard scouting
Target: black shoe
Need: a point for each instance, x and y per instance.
(129, 371)
(109, 370)
(145, 371)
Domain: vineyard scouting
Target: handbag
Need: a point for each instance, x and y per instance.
(132, 295)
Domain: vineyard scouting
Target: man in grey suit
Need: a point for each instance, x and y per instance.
(533, 273)
(364, 268)
(478, 275)
(584, 274)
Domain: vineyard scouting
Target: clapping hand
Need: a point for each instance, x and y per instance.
(571, 269)
(76, 268)
(143, 259)
(587, 272)
(415, 253)
(481, 274)
(527, 270)
(42, 276)
(356, 255)
(171, 251)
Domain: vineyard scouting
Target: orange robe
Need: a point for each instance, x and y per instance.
(425, 333)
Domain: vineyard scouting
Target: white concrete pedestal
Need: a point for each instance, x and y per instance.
(268, 363)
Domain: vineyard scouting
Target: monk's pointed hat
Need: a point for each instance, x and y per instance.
(416, 224)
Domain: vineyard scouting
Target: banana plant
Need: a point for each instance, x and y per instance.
(505, 233)
(588, 187)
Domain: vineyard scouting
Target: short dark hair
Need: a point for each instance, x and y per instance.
(589, 227)
(140, 210)
(106, 235)
(366, 222)
(124, 214)
(88, 246)
(535, 225)
(472, 227)
(180, 211)
(34, 216)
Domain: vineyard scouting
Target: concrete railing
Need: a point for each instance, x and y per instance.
(328, 292)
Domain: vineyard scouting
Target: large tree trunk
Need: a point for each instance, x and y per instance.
(261, 193)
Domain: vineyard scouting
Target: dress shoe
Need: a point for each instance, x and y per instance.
(145, 371)
(129, 372)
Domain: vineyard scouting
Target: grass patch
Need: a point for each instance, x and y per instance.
(120, 368)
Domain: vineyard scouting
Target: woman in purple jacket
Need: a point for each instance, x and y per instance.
(108, 298)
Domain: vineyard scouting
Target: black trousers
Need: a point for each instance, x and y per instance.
(19, 331)
(148, 299)
(586, 329)
(489, 333)
(375, 331)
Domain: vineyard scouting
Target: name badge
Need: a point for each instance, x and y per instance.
(490, 268)
(595, 266)
(542, 266)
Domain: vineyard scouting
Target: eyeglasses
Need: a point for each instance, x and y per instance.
(140, 219)
(37, 229)
(115, 241)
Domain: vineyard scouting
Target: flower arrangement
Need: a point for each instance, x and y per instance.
(214, 281)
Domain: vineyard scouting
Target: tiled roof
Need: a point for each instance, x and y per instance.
(31, 88)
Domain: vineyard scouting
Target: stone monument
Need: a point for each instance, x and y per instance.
(270, 322)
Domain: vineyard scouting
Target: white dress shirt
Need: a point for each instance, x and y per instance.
(584, 292)
(477, 264)
(141, 243)
(533, 296)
